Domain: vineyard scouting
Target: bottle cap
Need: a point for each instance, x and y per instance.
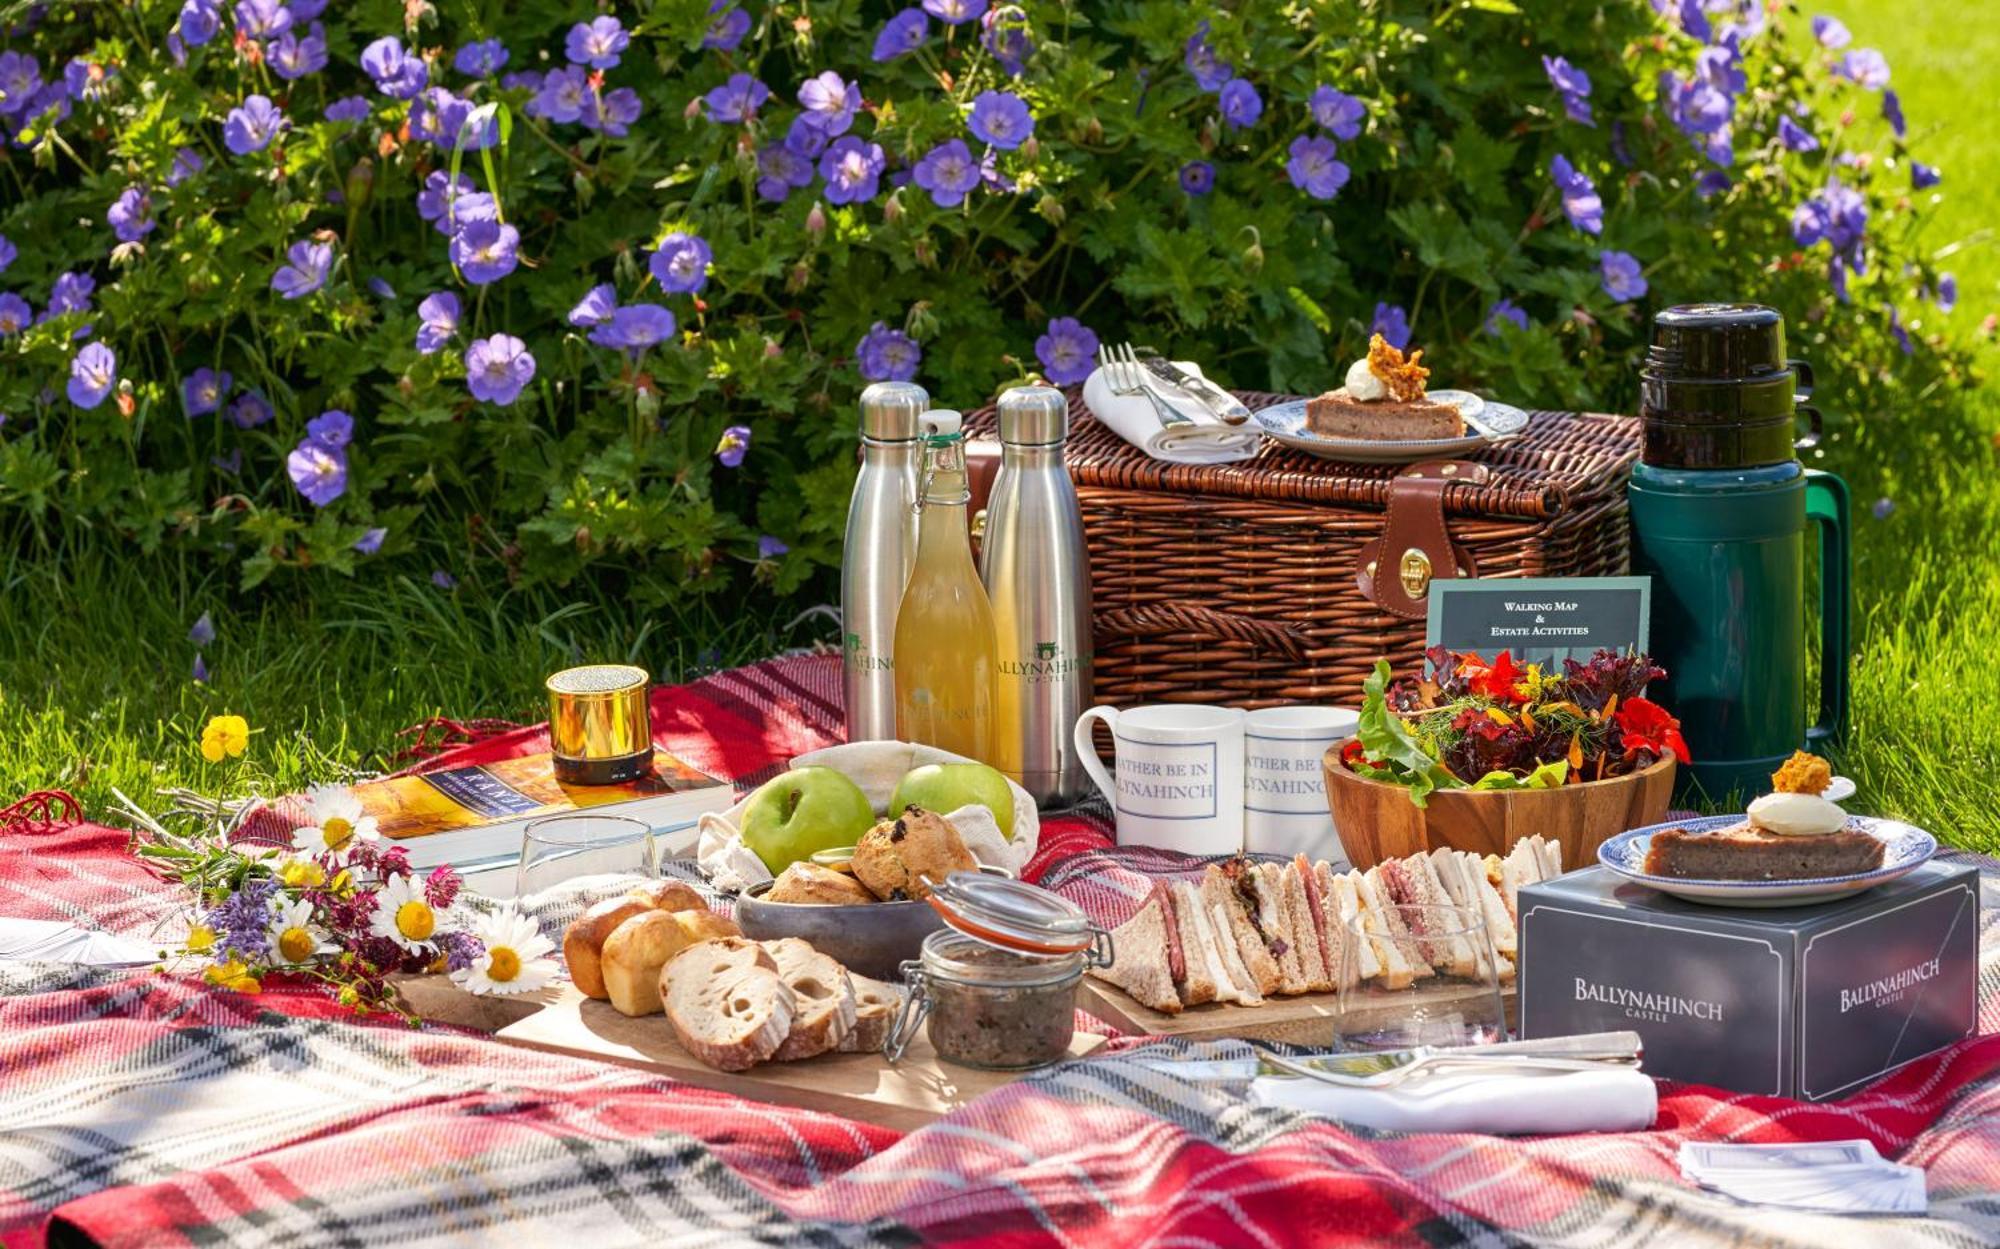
(941, 423)
(889, 411)
(1034, 416)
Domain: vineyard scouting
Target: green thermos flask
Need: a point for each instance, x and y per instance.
(1720, 507)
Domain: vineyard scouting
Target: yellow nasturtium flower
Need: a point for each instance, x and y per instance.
(225, 737)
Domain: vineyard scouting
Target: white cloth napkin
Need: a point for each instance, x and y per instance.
(875, 767)
(1612, 1100)
(51, 941)
(1132, 418)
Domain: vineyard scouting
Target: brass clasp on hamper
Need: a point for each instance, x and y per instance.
(1416, 539)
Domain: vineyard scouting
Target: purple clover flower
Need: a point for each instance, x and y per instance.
(851, 167)
(1580, 201)
(1865, 68)
(1796, 138)
(202, 391)
(1923, 177)
(955, 12)
(886, 355)
(187, 163)
(262, 19)
(1337, 112)
(498, 368)
(70, 292)
(1830, 32)
(1209, 73)
(780, 171)
(333, 428)
(680, 263)
(93, 372)
(1314, 167)
(198, 21)
(1620, 276)
(1240, 104)
(948, 172)
(250, 410)
(370, 542)
(735, 101)
(611, 112)
(634, 328)
(481, 59)
(769, 547)
(1007, 40)
(903, 35)
(131, 215)
(318, 471)
(252, 125)
(1392, 323)
(437, 321)
(397, 74)
(830, 102)
(305, 271)
(1197, 177)
(294, 56)
(1002, 119)
(15, 314)
(1066, 350)
(560, 98)
(349, 108)
(1892, 112)
(596, 43)
(727, 30)
(595, 308)
(485, 251)
(733, 446)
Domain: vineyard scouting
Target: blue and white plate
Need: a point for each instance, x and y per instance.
(1908, 849)
(1286, 422)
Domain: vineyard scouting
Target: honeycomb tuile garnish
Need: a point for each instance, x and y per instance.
(1802, 774)
(1404, 376)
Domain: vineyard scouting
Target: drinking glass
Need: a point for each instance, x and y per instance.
(563, 847)
(1458, 1003)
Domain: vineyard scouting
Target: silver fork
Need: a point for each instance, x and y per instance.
(1128, 378)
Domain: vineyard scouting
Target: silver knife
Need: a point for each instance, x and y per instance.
(1217, 400)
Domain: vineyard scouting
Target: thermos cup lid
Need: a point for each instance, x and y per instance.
(1718, 343)
(889, 411)
(1034, 416)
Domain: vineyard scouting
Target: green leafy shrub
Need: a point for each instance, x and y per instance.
(196, 189)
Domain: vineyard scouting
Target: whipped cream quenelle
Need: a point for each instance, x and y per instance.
(1362, 384)
(1797, 815)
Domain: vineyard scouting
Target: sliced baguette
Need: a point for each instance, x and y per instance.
(726, 1003)
(1139, 963)
(875, 1005)
(824, 1005)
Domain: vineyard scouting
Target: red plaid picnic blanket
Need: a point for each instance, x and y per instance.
(139, 1110)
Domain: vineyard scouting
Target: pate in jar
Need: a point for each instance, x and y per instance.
(997, 986)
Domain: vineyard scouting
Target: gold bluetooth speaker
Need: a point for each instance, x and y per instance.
(599, 729)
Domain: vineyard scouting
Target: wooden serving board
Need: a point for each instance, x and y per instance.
(1304, 1020)
(914, 1092)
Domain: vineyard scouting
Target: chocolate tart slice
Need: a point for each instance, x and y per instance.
(1335, 414)
(1744, 852)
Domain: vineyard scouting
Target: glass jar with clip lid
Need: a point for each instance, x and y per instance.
(997, 985)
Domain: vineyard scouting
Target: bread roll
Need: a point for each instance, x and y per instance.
(669, 895)
(812, 885)
(726, 1003)
(583, 941)
(895, 856)
(641, 947)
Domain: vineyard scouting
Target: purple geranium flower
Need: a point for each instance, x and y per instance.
(887, 355)
(252, 125)
(187, 163)
(595, 308)
(830, 102)
(199, 672)
(1712, 183)
(446, 120)
(955, 12)
(805, 138)
(596, 43)
(1795, 137)
(1240, 104)
(1000, 118)
(370, 542)
(482, 59)
(1197, 177)
(70, 292)
(1067, 350)
(131, 215)
(1901, 335)
(92, 375)
(231, 464)
(903, 35)
(1006, 38)
(735, 101)
(1892, 110)
(438, 321)
(780, 170)
(634, 328)
(497, 369)
(262, 19)
(1865, 67)
(1621, 277)
(733, 446)
(1696, 107)
(294, 56)
(318, 470)
(851, 167)
(1505, 311)
(769, 547)
(449, 203)
(485, 251)
(1947, 292)
(680, 263)
(1392, 323)
(1565, 77)
(528, 80)
(1830, 32)
(250, 410)
(333, 428)
(1209, 73)
(443, 580)
(1923, 177)
(15, 314)
(203, 630)
(203, 390)
(1338, 112)
(611, 112)
(379, 285)
(948, 172)
(397, 74)
(726, 31)
(305, 10)
(1838, 214)
(348, 108)
(198, 22)
(7, 252)
(308, 264)
(560, 98)
(1313, 167)
(1579, 196)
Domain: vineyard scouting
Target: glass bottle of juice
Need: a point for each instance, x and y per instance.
(946, 659)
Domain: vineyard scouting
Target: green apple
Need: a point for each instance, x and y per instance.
(945, 787)
(803, 811)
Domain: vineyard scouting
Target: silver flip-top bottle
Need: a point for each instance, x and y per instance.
(881, 545)
(1037, 574)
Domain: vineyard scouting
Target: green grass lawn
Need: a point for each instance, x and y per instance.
(94, 657)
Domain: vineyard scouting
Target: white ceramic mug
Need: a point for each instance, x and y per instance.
(1179, 783)
(1284, 791)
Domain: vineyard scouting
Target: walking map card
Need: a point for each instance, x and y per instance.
(1540, 619)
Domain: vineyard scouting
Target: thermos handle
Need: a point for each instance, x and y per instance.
(1803, 391)
(1086, 749)
(1827, 506)
(1810, 439)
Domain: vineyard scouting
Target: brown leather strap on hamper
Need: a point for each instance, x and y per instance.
(1415, 547)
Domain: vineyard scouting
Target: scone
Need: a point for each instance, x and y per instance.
(896, 856)
(810, 884)
(726, 1003)
(639, 948)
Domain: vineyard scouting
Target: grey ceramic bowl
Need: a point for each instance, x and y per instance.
(870, 939)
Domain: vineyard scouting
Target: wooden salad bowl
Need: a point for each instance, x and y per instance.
(1377, 820)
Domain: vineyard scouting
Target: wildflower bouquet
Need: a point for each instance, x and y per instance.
(1495, 726)
(338, 906)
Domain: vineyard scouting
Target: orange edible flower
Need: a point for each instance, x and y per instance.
(1802, 774)
(1498, 682)
(1648, 726)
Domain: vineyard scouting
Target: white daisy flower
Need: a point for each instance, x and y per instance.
(335, 822)
(403, 915)
(516, 959)
(294, 940)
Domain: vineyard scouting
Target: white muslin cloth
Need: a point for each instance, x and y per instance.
(52, 941)
(1132, 418)
(875, 767)
(1612, 1100)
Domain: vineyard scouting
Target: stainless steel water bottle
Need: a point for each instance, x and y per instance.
(881, 545)
(1037, 574)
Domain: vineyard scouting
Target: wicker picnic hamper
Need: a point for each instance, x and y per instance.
(1264, 582)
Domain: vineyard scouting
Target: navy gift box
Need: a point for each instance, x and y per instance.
(1807, 1002)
